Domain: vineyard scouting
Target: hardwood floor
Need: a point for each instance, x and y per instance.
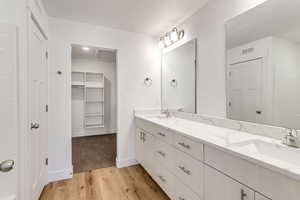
(130, 183)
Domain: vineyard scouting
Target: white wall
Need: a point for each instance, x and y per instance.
(108, 68)
(138, 57)
(285, 60)
(207, 25)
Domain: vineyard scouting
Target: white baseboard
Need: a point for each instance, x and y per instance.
(125, 162)
(86, 133)
(60, 175)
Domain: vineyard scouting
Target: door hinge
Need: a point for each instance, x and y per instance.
(229, 103)
(46, 161)
(47, 55)
(46, 108)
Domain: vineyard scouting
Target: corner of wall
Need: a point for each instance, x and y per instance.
(126, 162)
(60, 174)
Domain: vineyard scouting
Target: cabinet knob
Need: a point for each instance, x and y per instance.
(184, 145)
(162, 178)
(161, 134)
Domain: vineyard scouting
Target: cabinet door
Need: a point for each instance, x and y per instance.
(148, 152)
(221, 187)
(145, 149)
(260, 197)
(139, 145)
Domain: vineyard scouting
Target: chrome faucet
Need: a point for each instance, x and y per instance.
(166, 112)
(292, 138)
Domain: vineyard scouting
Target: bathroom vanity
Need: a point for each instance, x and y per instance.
(196, 161)
(245, 156)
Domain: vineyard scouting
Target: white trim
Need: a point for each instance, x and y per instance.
(126, 162)
(12, 197)
(82, 134)
(60, 175)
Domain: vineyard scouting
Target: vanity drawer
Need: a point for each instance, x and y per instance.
(189, 146)
(165, 180)
(164, 135)
(189, 170)
(163, 154)
(182, 192)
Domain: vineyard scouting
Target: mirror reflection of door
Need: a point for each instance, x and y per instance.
(245, 83)
(263, 58)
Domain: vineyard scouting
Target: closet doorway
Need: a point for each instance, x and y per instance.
(94, 108)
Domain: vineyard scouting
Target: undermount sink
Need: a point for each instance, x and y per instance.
(270, 150)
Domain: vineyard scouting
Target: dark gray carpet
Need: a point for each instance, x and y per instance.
(93, 152)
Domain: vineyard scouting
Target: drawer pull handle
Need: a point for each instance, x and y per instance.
(161, 134)
(162, 153)
(162, 178)
(188, 172)
(180, 198)
(184, 145)
(243, 194)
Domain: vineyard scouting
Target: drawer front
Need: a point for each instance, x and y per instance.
(163, 154)
(182, 192)
(189, 146)
(256, 177)
(190, 171)
(260, 197)
(165, 180)
(164, 135)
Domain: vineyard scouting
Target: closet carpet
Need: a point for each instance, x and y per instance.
(93, 152)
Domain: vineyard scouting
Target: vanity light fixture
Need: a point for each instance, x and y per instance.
(170, 38)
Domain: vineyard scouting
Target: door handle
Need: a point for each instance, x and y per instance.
(34, 125)
(7, 165)
(243, 194)
(258, 112)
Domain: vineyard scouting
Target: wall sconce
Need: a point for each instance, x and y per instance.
(170, 38)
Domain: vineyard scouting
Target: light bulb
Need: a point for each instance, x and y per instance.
(161, 43)
(168, 40)
(85, 48)
(174, 35)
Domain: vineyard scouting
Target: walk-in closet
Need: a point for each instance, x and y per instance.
(93, 108)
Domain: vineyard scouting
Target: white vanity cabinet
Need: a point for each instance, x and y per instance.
(260, 197)
(219, 186)
(187, 169)
(177, 172)
(144, 150)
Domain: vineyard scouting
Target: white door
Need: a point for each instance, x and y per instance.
(8, 112)
(245, 87)
(38, 90)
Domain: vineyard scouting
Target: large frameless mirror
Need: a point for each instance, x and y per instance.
(179, 78)
(263, 64)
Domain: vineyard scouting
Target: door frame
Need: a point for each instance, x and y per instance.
(69, 83)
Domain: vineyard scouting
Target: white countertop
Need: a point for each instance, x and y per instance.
(272, 156)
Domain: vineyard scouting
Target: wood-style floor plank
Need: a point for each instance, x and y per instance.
(130, 183)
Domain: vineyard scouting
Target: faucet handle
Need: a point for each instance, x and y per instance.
(291, 132)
